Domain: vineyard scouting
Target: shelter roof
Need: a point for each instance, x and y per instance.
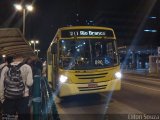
(12, 41)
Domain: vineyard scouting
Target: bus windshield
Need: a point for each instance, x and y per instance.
(83, 54)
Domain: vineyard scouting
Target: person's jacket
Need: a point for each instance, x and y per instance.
(27, 77)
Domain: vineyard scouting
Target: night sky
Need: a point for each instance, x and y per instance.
(128, 18)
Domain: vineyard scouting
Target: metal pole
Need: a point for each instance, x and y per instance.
(37, 97)
(34, 45)
(24, 14)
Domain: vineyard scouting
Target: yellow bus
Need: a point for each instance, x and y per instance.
(83, 60)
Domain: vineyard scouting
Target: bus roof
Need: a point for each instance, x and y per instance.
(86, 31)
(85, 27)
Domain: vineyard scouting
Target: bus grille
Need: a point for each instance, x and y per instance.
(92, 89)
(91, 76)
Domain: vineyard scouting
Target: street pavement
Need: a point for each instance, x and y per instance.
(139, 95)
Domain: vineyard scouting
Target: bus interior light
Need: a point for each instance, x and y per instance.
(63, 78)
(118, 75)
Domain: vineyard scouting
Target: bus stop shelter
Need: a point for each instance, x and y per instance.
(12, 41)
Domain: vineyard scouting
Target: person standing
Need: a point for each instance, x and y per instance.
(16, 102)
(8, 60)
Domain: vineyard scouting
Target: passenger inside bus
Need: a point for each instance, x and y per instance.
(102, 59)
(98, 53)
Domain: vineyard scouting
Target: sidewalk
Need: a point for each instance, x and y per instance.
(141, 72)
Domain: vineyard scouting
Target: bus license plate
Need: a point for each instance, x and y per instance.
(92, 85)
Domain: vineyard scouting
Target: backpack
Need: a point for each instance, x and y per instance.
(14, 85)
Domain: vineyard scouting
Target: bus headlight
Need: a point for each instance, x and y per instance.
(63, 78)
(118, 75)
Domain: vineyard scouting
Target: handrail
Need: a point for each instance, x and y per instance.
(46, 108)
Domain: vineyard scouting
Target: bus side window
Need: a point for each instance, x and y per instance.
(54, 48)
(55, 59)
(49, 58)
(54, 52)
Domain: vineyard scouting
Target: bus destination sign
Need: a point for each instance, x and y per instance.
(84, 33)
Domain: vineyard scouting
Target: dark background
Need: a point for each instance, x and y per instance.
(128, 18)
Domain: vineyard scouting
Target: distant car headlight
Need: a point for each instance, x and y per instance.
(118, 75)
(63, 78)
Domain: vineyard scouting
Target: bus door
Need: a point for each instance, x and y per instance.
(54, 66)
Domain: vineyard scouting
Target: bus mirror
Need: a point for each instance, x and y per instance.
(54, 48)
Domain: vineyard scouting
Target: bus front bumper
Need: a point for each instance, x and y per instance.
(67, 89)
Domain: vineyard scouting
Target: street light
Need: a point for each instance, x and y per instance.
(3, 56)
(18, 7)
(37, 51)
(34, 42)
(27, 7)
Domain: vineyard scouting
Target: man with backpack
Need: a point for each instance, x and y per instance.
(16, 79)
(8, 60)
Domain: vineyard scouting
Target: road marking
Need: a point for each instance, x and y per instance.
(144, 80)
(142, 87)
(143, 76)
(152, 79)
